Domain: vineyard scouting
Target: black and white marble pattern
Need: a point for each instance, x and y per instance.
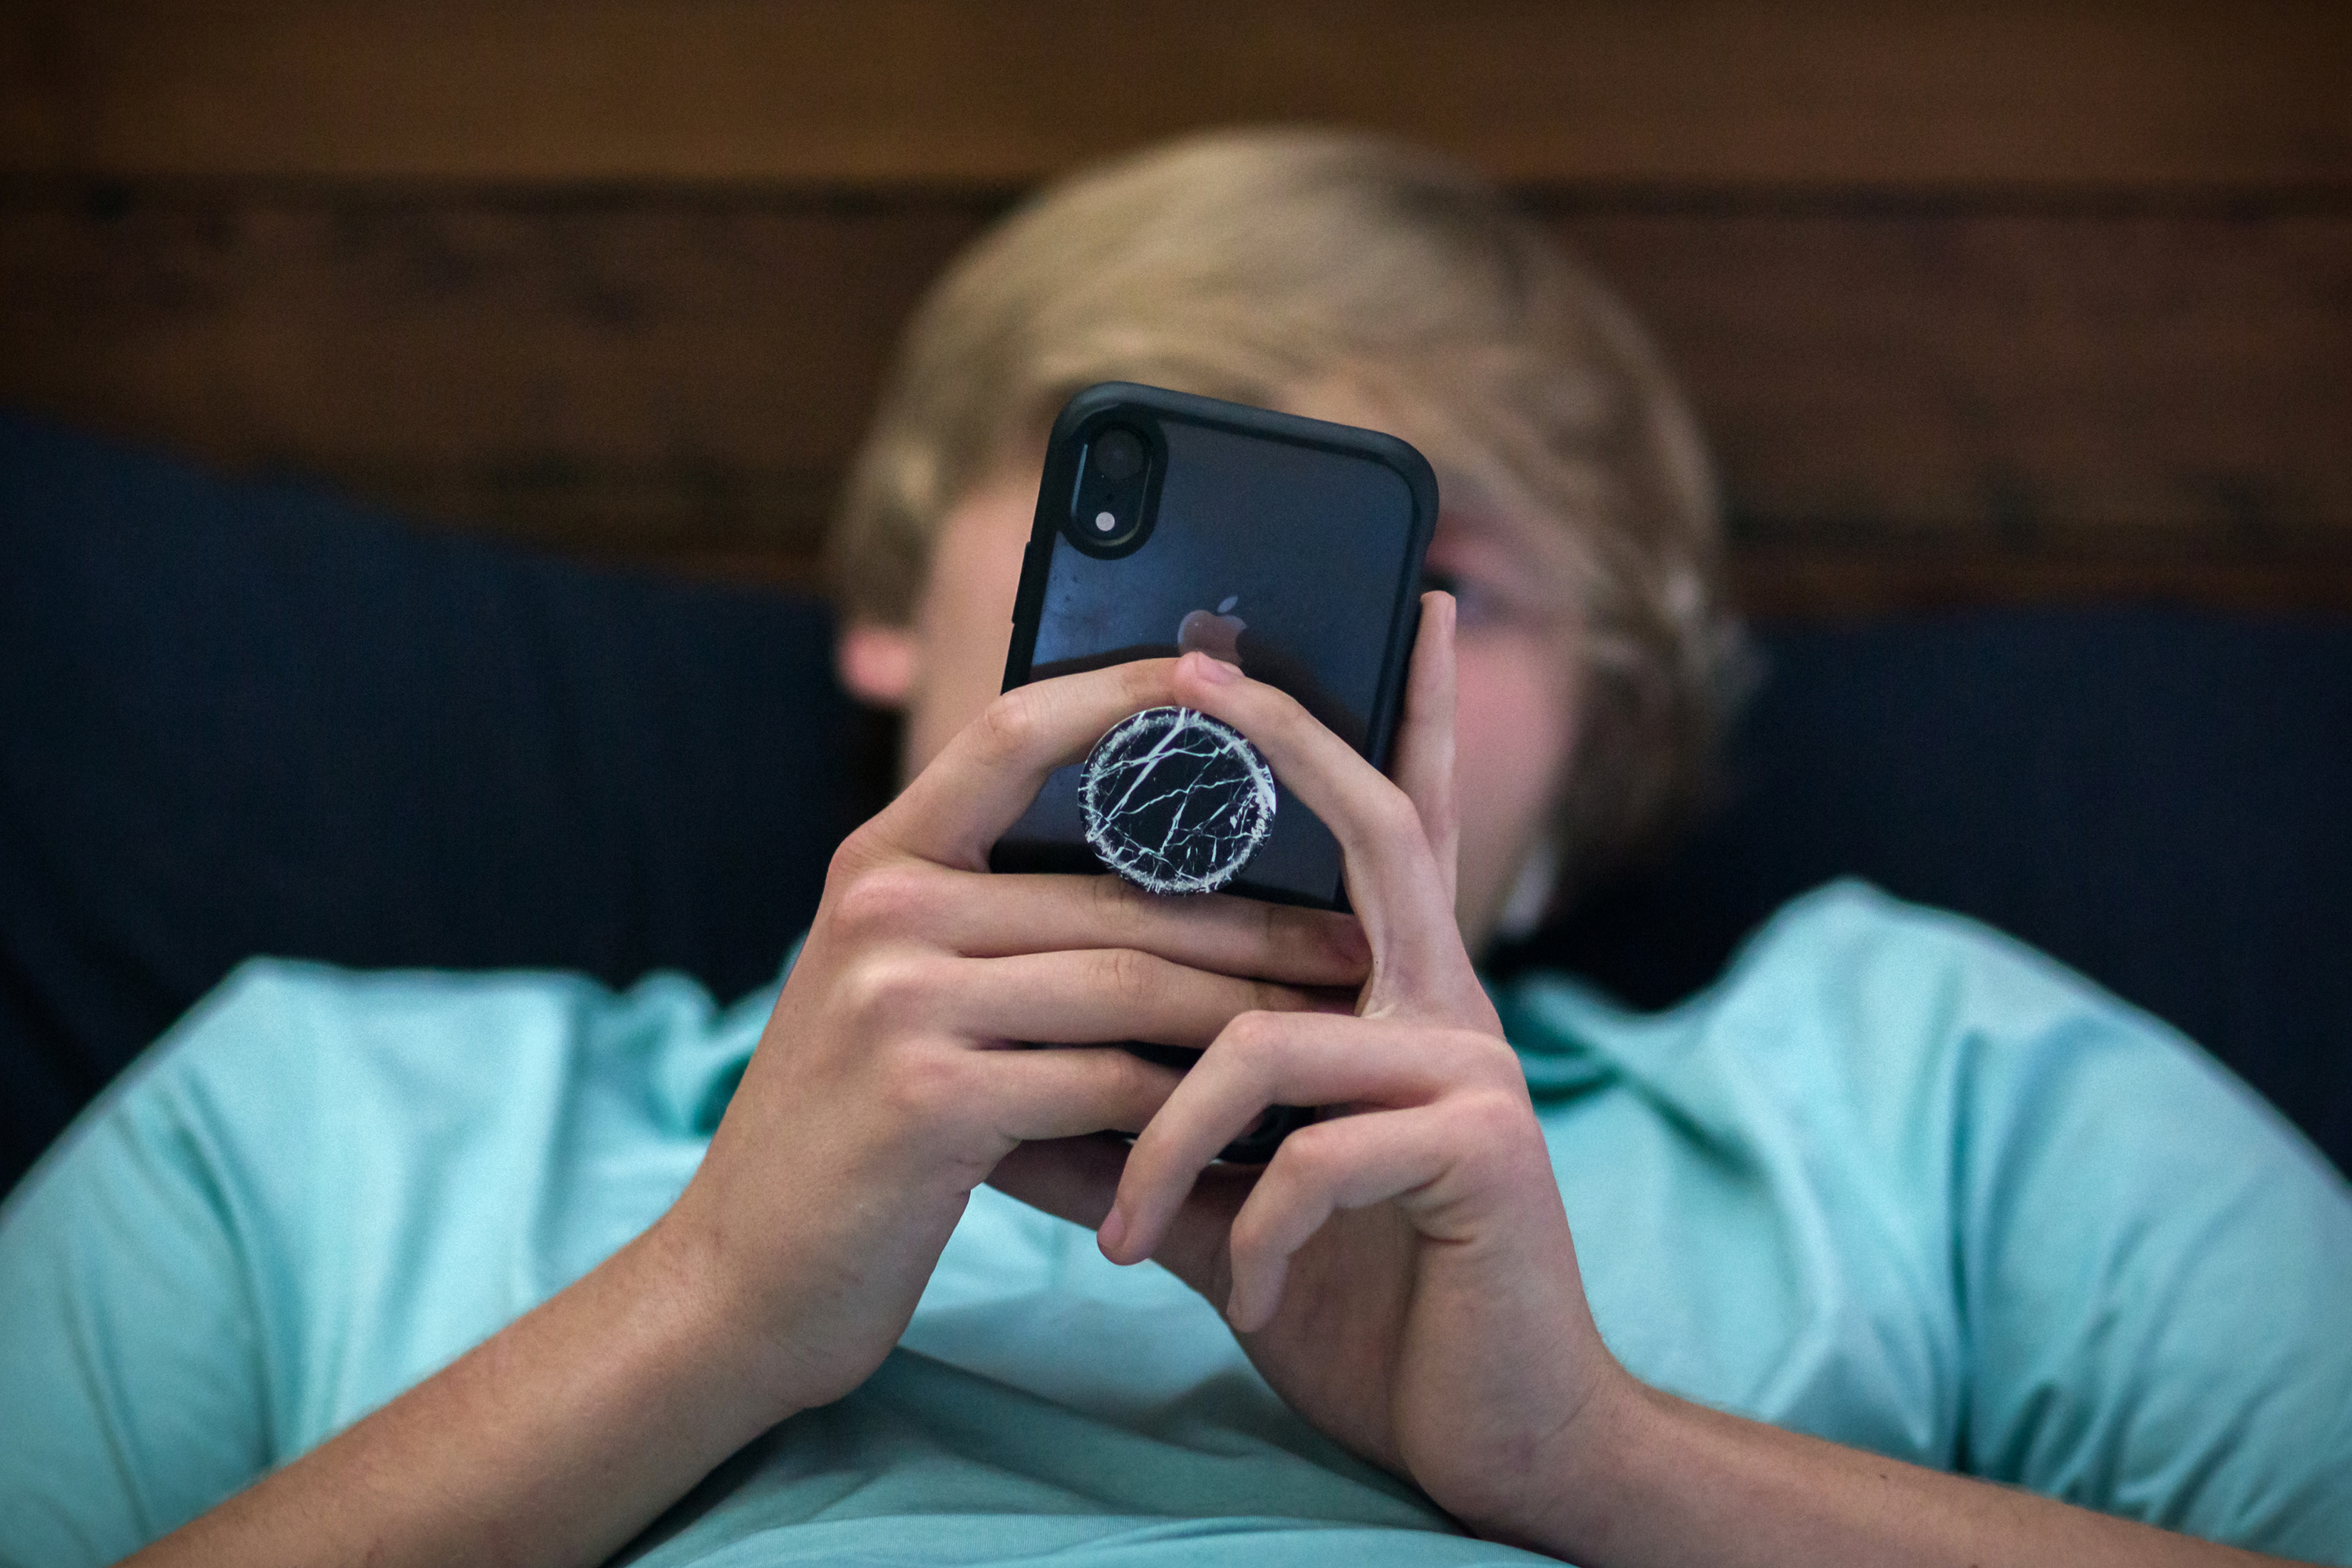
(1174, 801)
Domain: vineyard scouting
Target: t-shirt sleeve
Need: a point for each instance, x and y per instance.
(315, 1191)
(133, 1376)
(2155, 1278)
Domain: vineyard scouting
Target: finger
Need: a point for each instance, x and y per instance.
(1191, 1244)
(1090, 996)
(986, 776)
(985, 916)
(1350, 1164)
(1267, 1059)
(1392, 876)
(1074, 1179)
(1070, 1093)
(1423, 764)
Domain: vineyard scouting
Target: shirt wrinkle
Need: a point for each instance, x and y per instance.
(1892, 1179)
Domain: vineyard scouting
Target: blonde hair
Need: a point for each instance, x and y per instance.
(1252, 265)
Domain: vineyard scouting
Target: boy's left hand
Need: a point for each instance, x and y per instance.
(1402, 1271)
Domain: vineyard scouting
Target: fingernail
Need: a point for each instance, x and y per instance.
(1212, 669)
(1112, 1232)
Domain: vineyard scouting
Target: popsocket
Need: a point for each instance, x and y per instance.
(1174, 801)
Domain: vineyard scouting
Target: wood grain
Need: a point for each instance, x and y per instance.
(2166, 381)
(1978, 302)
(674, 374)
(2002, 94)
(636, 377)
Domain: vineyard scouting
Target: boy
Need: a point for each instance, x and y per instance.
(1733, 1284)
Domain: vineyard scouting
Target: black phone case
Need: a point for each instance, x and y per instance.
(1317, 529)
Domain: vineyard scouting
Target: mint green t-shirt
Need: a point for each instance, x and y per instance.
(1895, 1181)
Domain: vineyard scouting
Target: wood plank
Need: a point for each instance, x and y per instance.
(1893, 389)
(601, 374)
(2018, 381)
(2004, 94)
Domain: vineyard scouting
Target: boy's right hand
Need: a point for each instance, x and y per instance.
(889, 1083)
(891, 1077)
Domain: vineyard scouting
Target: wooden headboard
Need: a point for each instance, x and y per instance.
(1980, 302)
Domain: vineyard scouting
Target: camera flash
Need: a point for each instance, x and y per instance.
(1105, 522)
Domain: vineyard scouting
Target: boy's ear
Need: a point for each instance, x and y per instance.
(877, 663)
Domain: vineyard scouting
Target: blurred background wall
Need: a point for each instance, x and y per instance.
(1981, 302)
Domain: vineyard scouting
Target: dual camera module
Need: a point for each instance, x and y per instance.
(1111, 506)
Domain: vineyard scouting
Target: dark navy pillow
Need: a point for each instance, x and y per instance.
(2161, 798)
(241, 719)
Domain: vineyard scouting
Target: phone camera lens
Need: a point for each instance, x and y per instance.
(1110, 506)
(1119, 454)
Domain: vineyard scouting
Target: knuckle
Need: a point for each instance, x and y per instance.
(1311, 1156)
(1131, 977)
(1395, 815)
(851, 857)
(1488, 1119)
(1279, 927)
(1008, 727)
(1115, 905)
(1141, 1082)
(1334, 940)
(881, 901)
(1143, 684)
(894, 991)
(1501, 1063)
(924, 1086)
(1250, 1041)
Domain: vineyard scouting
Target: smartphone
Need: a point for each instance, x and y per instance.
(1290, 547)
(1287, 546)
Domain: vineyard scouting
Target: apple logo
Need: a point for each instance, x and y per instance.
(1214, 633)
